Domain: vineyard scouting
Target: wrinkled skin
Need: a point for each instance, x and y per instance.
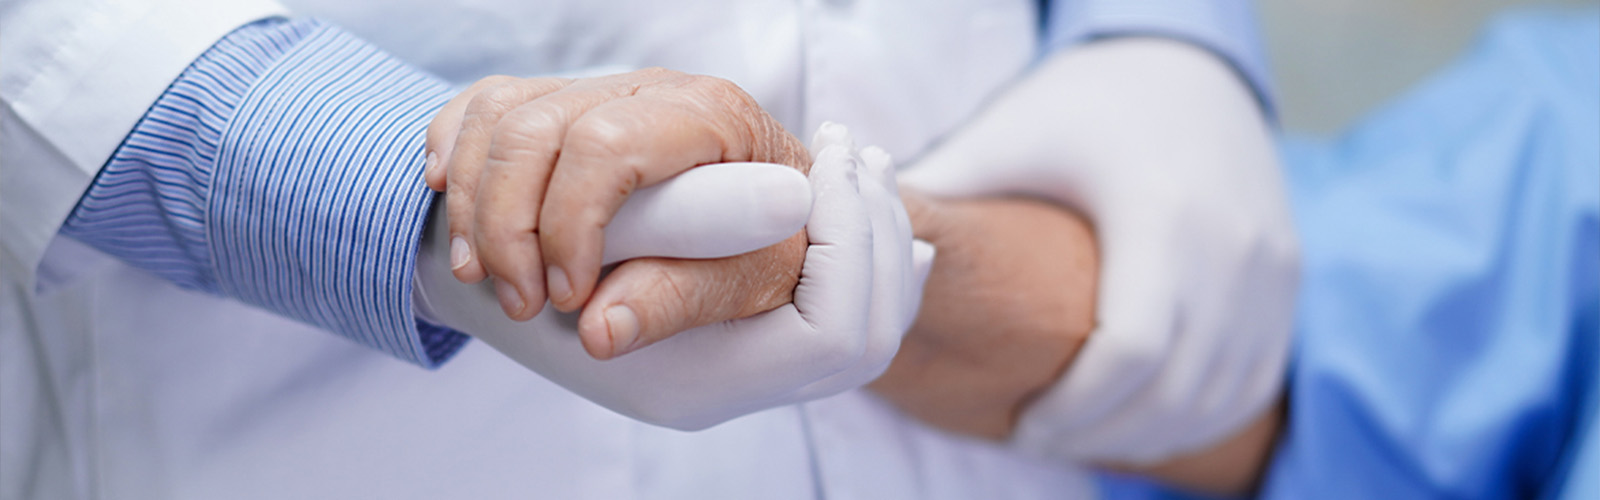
(536, 167)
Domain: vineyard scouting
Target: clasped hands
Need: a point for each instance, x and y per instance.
(1013, 298)
(549, 179)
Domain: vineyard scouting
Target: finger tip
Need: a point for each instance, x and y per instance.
(559, 288)
(430, 171)
(830, 134)
(622, 329)
(469, 274)
(593, 335)
(511, 300)
(786, 203)
(460, 253)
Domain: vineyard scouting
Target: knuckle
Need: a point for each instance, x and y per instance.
(494, 100)
(460, 188)
(527, 140)
(736, 116)
(726, 92)
(708, 82)
(494, 258)
(510, 137)
(496, 231)
(657, 72)
(672, 298)
(599, 136)
(493, 80)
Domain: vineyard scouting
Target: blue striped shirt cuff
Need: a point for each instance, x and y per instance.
(1227, 28)
(283, 168)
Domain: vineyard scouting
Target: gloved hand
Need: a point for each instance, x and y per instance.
(1166, 152)
(858, 292)
(536, 167)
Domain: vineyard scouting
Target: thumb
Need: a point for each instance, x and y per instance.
(709, 212)
(646, 300)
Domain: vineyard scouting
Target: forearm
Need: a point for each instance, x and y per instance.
(1007, 305)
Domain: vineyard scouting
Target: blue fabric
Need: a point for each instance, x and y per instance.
(1449, 323)
(283, 168)
(1227, 28)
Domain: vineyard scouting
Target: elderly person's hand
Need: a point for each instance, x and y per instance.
(858, 291)
(535, 168)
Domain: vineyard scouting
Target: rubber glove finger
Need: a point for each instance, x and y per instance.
(890, 265)
(711, 211)
(836, 281)
(891, 271)
(831, 134)
(919, 261)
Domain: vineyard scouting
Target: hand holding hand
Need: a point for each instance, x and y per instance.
(535, 169)
(859, 290)
(1009, 302)
(1163, 148)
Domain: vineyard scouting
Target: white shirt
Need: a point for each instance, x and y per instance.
(118, 384)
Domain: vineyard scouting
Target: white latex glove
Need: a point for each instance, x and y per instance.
(1166, 151)
(858, 292)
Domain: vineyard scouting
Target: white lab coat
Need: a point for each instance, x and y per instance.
(116, 384)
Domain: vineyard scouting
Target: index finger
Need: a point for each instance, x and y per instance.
(446, 125)
(481, 113)
(611, 151)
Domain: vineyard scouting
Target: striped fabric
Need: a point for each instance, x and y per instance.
(283, 169)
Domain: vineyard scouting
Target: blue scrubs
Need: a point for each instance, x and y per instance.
(1447, 336)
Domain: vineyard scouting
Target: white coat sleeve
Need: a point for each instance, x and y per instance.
(75, 75)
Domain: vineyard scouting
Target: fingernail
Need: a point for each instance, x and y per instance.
(510, 300)
(460, 253)
(624, 328)
(432, 161)
(560, 288)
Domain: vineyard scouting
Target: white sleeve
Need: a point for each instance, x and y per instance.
(75, 76)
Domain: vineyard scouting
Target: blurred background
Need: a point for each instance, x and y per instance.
(1334, 60)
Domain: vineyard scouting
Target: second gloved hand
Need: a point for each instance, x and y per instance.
(1167, 153)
